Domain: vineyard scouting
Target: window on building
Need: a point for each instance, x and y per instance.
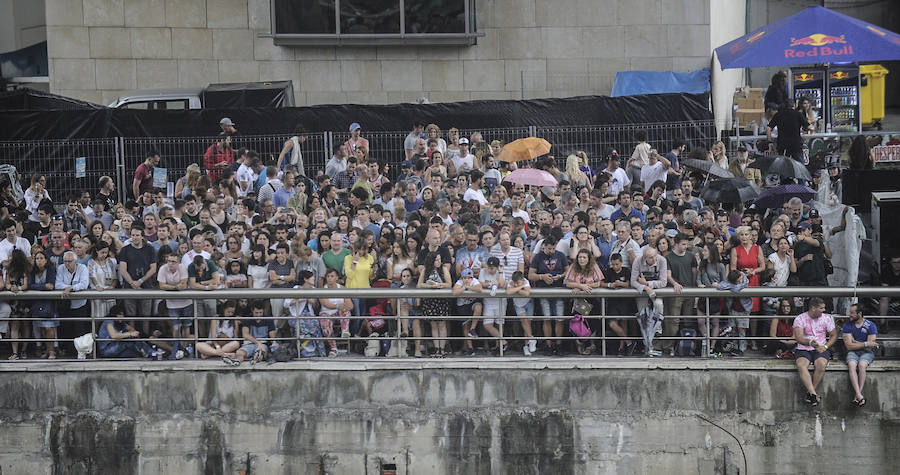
(373, 22)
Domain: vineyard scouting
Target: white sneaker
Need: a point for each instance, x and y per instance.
(532, 345)
(654, 353)
(345, 334)
(526, 350)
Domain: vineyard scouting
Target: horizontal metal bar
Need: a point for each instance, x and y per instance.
(446, 293)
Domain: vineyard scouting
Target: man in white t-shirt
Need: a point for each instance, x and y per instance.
(654, 171)
(618, 178)
(247, 173)
(12, 241)
(515, 202)
(474, 191)
(464, 161)
(198, 243)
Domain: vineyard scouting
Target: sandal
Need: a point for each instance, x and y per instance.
(13, 356)
(862, 402)
(51, 356)
(332, 353)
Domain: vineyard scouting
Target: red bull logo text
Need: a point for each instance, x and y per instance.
(818, 44)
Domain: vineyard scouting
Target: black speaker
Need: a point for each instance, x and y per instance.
(885, 216)
(858, 185)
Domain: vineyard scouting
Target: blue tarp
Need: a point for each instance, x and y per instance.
(633, 83)
(812, 36)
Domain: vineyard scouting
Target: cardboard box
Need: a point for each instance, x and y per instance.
(745, 116)
(757, 103)
(743, 102)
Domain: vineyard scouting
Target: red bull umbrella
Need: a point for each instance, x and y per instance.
(811, 36)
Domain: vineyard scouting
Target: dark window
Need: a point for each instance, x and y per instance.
(370, 17)
(427, 16)
(373, 22)
(304, 17)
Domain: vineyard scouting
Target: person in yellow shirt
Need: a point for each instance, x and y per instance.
(359, 269)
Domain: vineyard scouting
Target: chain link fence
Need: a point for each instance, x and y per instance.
(119, 157)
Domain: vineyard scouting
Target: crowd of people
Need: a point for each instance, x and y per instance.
(446, 220)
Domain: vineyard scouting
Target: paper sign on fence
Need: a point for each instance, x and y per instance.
(159, 177)
(80, 167)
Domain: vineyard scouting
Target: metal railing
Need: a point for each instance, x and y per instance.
(118, 157)
(599, 336)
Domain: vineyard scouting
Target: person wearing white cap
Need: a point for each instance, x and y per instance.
(355, 141)
(463, 162)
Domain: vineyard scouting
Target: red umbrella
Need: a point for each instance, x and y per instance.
(531, 176)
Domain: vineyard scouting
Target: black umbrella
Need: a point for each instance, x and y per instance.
(708, 167)
(730, 190)
(785, 167)
(776, 197)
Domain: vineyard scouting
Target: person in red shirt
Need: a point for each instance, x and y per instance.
(218, 157)
(143, 176)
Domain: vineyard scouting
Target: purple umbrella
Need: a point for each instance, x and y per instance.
(776, 197)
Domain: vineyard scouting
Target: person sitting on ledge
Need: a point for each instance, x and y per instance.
(115, 328)
(810, 330)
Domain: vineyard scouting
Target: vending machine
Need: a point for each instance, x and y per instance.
(810, 83)
(843, 98)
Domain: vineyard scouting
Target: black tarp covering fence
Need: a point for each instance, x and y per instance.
(575, 111)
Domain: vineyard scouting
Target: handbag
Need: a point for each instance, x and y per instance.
(582, 307)
(579, 327)
(829, 267)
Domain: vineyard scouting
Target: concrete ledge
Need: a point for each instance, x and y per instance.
(412, 364)
(486, 415)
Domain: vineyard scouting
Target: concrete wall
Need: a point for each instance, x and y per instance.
(565, 47)
(508, 415)
(21, 24)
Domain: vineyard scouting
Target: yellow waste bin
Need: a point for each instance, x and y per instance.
(871, 94)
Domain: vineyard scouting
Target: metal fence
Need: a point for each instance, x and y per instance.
(119, 157)
(600, 318)
(55, 159)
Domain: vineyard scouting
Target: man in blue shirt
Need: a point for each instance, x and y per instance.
(625, 208)
(605, 243)
(472, 256)
(859, 337)
(281, 196)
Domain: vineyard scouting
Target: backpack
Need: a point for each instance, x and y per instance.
(9, 173)
(286, 351)
(686, 347)
(579, 326)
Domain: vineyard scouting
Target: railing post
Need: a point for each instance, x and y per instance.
(706, 322)
(196, 325)
(603, 326)
(93, 333)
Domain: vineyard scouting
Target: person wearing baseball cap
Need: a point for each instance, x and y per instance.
(355, 141)
(463, 162)
(227, 126)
